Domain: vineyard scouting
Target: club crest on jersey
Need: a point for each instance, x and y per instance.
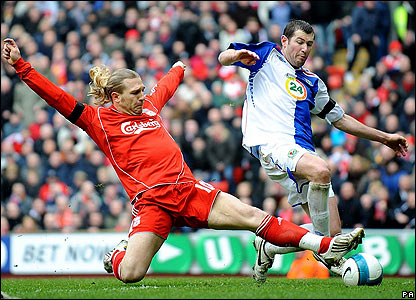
(136, 221)
(292, 153)
(295, 88)
(136, 128)
(148, 112)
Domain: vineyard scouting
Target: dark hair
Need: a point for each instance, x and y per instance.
(294, 25)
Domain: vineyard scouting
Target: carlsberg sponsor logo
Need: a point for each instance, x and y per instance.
(137, 128)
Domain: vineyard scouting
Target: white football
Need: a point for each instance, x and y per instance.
(362, 269)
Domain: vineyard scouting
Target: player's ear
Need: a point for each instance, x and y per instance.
(115, 97)
(284, 40)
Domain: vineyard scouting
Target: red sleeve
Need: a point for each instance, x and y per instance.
(166, 87)
(56, 97)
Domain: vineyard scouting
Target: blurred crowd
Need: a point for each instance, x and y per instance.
(54, 178)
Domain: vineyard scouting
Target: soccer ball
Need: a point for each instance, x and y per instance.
(362, 269)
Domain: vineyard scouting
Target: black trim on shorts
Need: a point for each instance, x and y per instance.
(76, 113)
(327, 108)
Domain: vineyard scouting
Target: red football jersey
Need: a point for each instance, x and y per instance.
(140, 148)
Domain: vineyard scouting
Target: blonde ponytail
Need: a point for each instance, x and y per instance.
(99, 79)
(103, 83)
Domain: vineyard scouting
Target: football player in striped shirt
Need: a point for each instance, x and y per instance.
(281, 97)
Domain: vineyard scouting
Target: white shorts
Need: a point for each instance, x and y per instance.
(279, 162)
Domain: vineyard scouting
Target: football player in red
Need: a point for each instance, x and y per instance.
(152, 170)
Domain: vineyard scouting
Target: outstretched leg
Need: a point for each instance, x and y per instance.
(267, 251)
(230, 213)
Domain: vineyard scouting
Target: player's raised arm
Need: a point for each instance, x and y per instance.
(56, 97)
(167, 85)
(230, 56)
(395, 141)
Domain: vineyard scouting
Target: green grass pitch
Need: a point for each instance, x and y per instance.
(199, 287)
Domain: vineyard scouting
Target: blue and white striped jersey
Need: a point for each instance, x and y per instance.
(280, 99)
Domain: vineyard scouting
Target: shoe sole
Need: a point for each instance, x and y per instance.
(320, 259)
(359, 240)
(259, 280)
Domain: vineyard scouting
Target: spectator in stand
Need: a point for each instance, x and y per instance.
(198, 158)
(188, 31)
(13, 214)
(91, 163)
(28, 225)
(366, 211)
(404, 214)
(45, 144)
(51, 189)
(32, 182)
(254, 31)
(322, 14)
(384, 25)
(6, 99)
(59, 65)
(26, 100)
(197, 63)
(406, 82)
(380, 72)
(55, 165)
(124, 222)
(42, 117)
(20, 197)
(79, 202)
(63, 212)
(407, 117)
(394, 58)
(50, 223)
(95, 221)
(372, 175)
(285, 210)
(231, 33)
(348, 205)
(10, 175)
(270, 206)
(221, 150)
(391, 172)
(406, 185)
(243, 190)
(241, 11)
(281, 14)
(274, 33)
(5, 227)
(218, 96)
(365, 30)
(38, 211)
(112, 219)
(77, 224)
(13, 125)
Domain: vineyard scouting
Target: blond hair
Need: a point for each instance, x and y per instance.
(103, 83)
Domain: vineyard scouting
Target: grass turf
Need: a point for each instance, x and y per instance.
(212, 287)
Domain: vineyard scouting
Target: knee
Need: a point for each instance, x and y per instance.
(131, 275)
(322, 173)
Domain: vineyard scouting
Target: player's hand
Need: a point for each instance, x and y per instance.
(11, 52)
(398, 143)
(247, 57)
(179, 63)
